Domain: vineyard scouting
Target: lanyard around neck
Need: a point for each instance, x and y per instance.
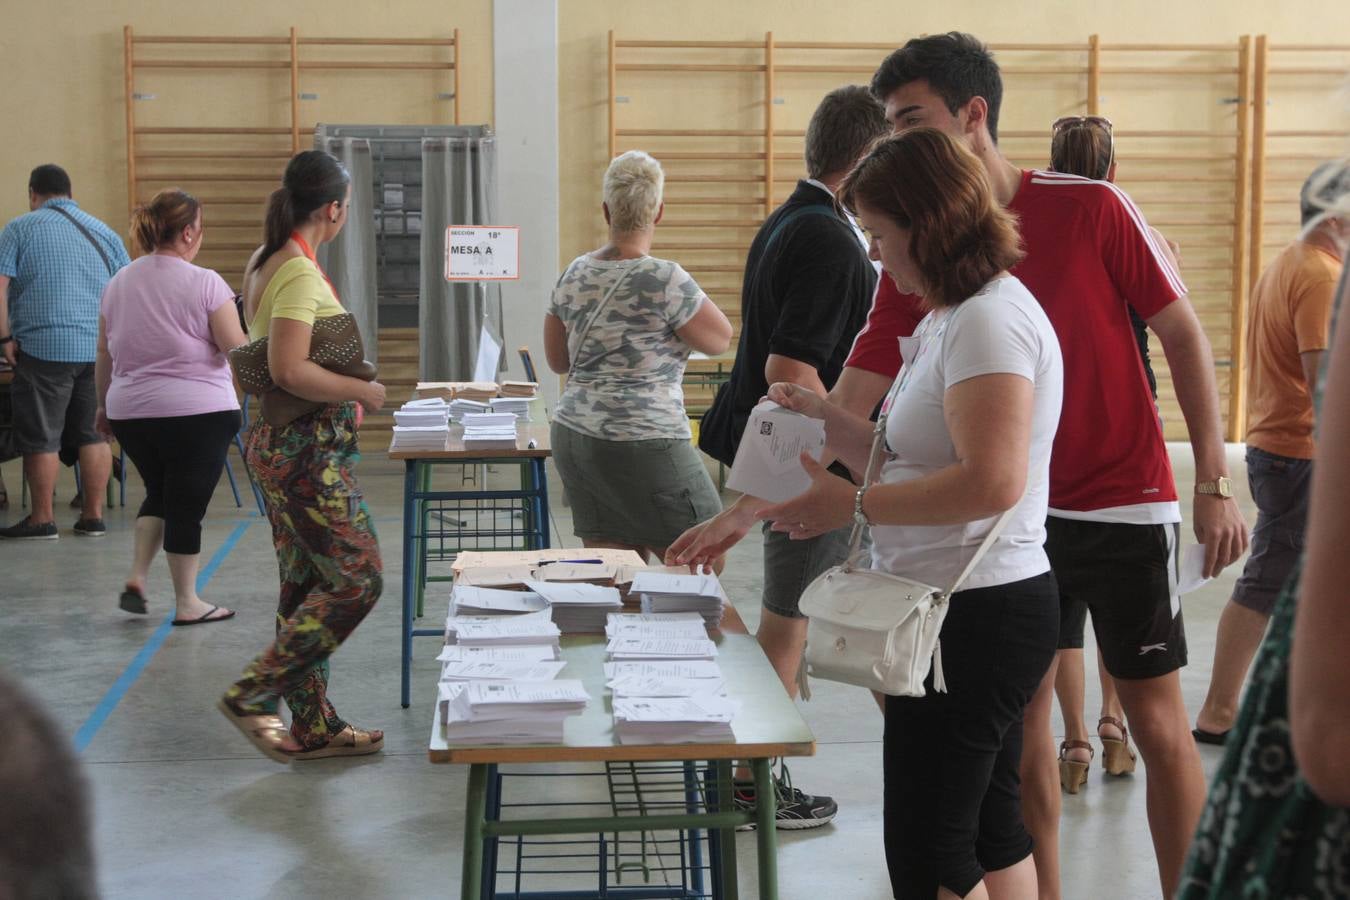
(306, 249)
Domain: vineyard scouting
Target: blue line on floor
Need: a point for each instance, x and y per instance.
(85, 735)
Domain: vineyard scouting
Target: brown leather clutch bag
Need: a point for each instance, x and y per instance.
(335, 343)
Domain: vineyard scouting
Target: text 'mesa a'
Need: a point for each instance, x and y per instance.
(482, 253)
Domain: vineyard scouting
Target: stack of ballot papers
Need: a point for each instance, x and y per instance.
(635, 647)
(701, 719)
(471, 600)
(444, 390)
(667, 592)
(517, 406)
(484, 429)
(430, 412)
(700, 669)
(577, 606)
(509, 712)
(496, 576)
(460, 408)
(571, 570)
(422, 425)
(514, 631)
(481, 391)
(526, 389)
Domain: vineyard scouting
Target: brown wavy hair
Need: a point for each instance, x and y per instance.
(160, 221)
(932, 185)
(1082, 148)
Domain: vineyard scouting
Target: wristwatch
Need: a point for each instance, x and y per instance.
(6, 339)
(1221, 487)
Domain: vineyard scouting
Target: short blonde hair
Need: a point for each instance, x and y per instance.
(633, 185)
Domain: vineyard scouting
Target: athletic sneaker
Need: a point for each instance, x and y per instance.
(91, 528)
(27, 530)
(797, 810)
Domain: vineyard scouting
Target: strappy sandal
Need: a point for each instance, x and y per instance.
(1073, 773)
(266, 732)
(1117, 755)
(350, 741)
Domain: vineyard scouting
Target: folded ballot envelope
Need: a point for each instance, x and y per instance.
(768, 464)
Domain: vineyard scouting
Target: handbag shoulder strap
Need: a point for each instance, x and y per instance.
(599, 308)
(102, 254)
(869, 478)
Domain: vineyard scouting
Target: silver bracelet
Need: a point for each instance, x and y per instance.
(859, 516)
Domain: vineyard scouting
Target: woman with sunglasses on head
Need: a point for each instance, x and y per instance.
(324, 537)
(165, 392)
(1085, 145)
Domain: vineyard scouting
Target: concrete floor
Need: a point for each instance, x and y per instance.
(186, 808)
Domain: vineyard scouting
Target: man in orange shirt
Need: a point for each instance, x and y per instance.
(1286, 336)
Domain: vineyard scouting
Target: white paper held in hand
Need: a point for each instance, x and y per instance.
(768, 464)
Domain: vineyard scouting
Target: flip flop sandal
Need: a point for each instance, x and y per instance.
(1218, 738)
(265, 732)
(205, 618)
(347, 742)
(132, 600)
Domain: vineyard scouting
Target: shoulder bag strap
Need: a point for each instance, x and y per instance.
(869, 478)
(107, 263)
(600, 308)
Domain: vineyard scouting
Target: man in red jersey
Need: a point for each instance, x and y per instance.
(1114, 512)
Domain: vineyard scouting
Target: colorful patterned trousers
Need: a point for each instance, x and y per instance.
(329, 560)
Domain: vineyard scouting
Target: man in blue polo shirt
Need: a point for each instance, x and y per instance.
(54, 264)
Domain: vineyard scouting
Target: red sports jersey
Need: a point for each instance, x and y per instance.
(1089, 254)
(894, 315)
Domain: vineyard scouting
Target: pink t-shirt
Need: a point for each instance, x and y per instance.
(164, 361)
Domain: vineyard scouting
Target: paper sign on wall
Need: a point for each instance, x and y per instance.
(482, 252)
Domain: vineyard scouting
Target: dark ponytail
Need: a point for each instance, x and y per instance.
(313, 179)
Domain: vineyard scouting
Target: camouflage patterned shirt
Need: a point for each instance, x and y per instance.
(626, 380)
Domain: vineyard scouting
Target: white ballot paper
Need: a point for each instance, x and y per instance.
(499, 653)
(684, 668)
(498, 670)
(637, 686)
(1192, 572)
(494, 576)
(686, 584)
(529, 628)
(474, 601)
(562, 572)
(660, 648)
(656, 625)
(767, 463)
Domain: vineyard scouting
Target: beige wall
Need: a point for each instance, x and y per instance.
(582, 56)
(61, 65)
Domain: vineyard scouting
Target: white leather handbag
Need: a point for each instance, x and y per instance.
(873, 629)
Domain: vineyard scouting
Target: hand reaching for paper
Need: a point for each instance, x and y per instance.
(798, 399)
(826, 505)
(701, 546)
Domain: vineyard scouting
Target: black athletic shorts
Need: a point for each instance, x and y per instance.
(1126, 576)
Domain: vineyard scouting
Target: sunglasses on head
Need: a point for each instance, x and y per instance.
(1065, 121)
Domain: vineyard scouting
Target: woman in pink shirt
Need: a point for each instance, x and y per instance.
(166, 393)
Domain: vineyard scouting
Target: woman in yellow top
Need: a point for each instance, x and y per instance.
(325, 541)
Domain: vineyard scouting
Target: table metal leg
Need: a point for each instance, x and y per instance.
(766, 809)
(475, 815)
(726, 837)
(409, 575)
(423, 540)
(541, 504)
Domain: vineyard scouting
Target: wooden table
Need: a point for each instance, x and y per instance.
(767, 726)
(530, 451)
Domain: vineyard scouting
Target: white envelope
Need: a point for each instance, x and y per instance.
(768, 464)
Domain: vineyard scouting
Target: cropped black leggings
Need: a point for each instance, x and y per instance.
(952, 800)
(179, 459)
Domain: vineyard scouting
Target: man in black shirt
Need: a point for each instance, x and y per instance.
(807, 289)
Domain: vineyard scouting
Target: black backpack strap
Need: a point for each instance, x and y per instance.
(107, 263)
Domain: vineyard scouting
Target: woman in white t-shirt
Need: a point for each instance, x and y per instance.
(621, 326)
(972, 416)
